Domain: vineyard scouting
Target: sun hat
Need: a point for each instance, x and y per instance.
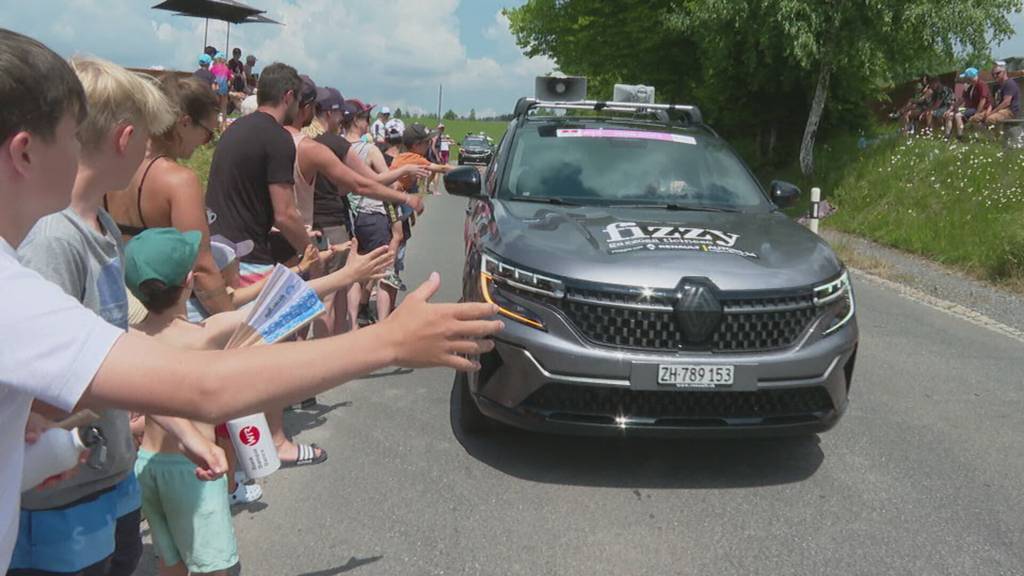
(163, 254)
(205, 60)
(385, 110)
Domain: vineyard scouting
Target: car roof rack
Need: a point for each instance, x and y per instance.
(524, 105)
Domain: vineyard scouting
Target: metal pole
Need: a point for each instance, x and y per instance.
(227, 49)
(440, 93)
(206, 32)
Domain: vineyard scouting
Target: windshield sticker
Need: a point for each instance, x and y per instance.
(625, 134)
(623, 237)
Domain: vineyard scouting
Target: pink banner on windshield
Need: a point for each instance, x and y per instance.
(625, 134)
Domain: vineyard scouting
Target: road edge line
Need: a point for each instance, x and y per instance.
(950, 308)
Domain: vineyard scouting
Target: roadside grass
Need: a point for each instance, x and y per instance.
(200, 162)
(457, 129)
(960, 204)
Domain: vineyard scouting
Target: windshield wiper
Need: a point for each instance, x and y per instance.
(543, 200)
(672, 206)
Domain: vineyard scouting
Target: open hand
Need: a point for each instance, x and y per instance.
(370, 266)
(311, 262)
(415, 171)
(440, 334)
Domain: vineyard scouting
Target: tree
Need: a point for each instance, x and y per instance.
(472, 113)
(767, 67)
(398, 113)
(451, 115)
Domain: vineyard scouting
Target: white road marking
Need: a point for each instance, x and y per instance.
(945, 306)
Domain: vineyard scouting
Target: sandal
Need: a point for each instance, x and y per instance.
(307, 456)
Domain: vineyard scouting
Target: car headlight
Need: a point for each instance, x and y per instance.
(496, 277)
(838, 296)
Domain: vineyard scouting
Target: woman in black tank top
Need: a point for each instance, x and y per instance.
(164, 193)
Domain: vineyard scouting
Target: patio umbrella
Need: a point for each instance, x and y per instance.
(229, 11)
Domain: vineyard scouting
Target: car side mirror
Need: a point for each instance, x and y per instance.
(784, 194)
(464, 181)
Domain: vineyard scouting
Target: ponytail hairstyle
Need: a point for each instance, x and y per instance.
(190, 96)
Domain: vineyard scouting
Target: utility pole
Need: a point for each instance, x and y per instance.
(440, 93)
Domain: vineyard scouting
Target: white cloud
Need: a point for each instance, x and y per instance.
(387, 51)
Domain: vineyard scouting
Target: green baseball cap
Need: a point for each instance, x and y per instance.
(163, 254)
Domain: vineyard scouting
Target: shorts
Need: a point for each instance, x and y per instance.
(445, 155)
(249, 274)
(373, 230)
(190, 519)
(75, 537)
(939, 112)
(335, 235)
(1000, 116)
(968, 112)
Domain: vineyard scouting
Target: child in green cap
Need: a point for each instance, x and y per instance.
(190, 517)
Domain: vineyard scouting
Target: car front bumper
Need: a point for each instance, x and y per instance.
(555, 381)
(467, 158)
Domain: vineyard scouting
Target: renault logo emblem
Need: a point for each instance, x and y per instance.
(698, 311)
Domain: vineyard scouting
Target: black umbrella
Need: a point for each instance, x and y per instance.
(229, 11)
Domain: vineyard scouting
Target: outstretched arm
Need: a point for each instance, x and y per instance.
(144, 375)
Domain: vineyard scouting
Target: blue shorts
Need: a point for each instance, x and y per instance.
(969, 112)
(73, 538)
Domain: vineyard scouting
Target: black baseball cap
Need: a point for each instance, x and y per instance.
(416, 132)
(307, 94)
(328, 98)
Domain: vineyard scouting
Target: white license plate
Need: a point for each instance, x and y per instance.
(695, 375)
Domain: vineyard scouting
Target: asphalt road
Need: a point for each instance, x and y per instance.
(922, 476)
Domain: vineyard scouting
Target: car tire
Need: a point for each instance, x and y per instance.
(466, 415)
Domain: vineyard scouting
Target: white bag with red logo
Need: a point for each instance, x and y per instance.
(254, 447)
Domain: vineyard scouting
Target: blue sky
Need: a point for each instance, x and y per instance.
(393, 52)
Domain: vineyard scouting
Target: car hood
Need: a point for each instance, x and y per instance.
(657, 247)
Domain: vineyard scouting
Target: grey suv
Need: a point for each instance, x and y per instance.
(650, 285)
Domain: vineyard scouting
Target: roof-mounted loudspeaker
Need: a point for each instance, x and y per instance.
(638, 93)
(564, 89)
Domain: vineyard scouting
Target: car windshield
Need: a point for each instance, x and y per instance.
(612, 165)
(478, 142)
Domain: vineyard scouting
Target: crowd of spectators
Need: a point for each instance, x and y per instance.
(971, 102)
(124, 280)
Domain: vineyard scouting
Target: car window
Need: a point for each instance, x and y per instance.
(474, 142)
(615, 165)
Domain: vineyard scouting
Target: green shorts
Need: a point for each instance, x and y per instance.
(190, 519)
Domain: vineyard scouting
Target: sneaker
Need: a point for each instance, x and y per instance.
(246, 494)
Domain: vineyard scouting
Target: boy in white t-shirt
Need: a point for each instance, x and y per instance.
(56, 350)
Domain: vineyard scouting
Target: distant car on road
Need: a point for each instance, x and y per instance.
(650, 285)
(475, 149)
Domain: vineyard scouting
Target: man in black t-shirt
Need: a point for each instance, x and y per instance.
(252, 186)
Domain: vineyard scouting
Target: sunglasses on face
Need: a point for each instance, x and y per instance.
(210, 133)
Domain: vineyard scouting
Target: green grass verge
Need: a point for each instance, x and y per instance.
(457, 129)
(959, 204)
